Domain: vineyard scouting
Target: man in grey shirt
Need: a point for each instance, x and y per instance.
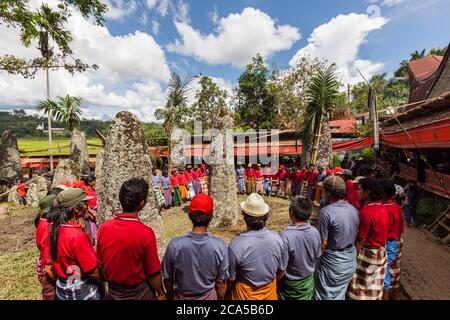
(338, 227)
(257, 257)
(302, 243)
(195, 266)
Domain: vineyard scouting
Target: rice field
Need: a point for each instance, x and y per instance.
(61, 146)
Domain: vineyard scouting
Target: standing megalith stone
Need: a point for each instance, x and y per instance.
(10, 168)
(67, 170)
(222, 176)
(126, 155)
(13, 195)
(79, 151)
(37, 190)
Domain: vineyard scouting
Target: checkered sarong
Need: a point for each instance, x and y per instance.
(159, 197)
(368, 280)
(395, 269)
(259, 185)
(241, 184)
(204, 184)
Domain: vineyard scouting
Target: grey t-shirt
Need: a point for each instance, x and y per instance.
(302, 243)
(339, 224)
(194, 262)
(256, 256)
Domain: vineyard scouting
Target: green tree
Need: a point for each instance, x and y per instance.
(176, 109)
(438, 51)
(288, 88)
(252, 99)
(209, 99)
(65, 109)
(322, 94)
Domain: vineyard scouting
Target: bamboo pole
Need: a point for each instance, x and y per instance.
(28, 182)
(317, 137)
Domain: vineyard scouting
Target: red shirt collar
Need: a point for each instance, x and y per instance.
(126, 217)
(370, 204)
(71, 224)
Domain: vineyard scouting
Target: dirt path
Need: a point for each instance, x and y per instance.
(17, 232)
(425, 266)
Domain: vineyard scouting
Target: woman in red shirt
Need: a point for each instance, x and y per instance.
(250, 183)
(75, 263)
(203, 172)
(175, 182)
(259, 179)
(368, 281)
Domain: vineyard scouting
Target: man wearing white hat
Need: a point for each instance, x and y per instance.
(257, 257)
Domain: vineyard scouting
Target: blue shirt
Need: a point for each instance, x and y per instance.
(194, 261)
(302, 243)
(156, 181)
(256, 256)
(165, 181)
(240, 172)
(339, 224)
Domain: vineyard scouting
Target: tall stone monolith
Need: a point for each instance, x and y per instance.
(79, 151)
(37, 190)
(67, 170)
(10, 168)
(222, 176)
(126, 155)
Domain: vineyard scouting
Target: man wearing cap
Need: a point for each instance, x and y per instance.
(127, 249)
(195, 266)
(240, 174)
(338, 227)
(258, 256)
(347, 175)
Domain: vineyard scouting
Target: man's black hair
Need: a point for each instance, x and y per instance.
(365, 171)
(389, 188)
(255, 224)
(374, 186)
(132, 193)
(199, 221)
(301, 208)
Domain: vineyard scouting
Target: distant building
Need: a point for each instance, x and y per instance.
(41, 127)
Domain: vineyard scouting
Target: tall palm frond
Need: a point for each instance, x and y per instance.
(66, 109)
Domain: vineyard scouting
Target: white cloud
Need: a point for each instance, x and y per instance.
(155, 26)
(132, 73)
(339, 41)
(391, 3)
(237, 39)
(120, 9)
(143, 20)
(214, 15)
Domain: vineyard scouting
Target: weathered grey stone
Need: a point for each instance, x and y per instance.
(13, 195)
(324, 153)
(125, 156)
(37, 190)
(67, 170)
(10, 168)
(222, 177)
(79, 151)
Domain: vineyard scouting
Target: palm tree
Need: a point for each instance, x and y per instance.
(66, 109)
(176, 107)
(322, 95)
(46, 25)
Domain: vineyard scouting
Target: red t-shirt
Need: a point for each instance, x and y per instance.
(189, 176)
(182, 179)
(374, 225)
(282, 174)
(91, 193)
(127, 250)
(298, 176)
(74, 249)
(305, 175)
(174, 180)
(249, 173)
(42, 239)
(329, 172)
(258, 174)
(396, 220)
(202, 172)
(22, 190)
(195, 174)
(351, 194)
(312, 178)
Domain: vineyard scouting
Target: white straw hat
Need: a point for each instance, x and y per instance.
(255, 206)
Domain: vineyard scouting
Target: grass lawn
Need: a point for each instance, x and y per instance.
(39, 146)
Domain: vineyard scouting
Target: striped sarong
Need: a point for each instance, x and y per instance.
(368, 280)
(159, 197)
(209, 295)
(296, 289)
(204, 184)
(176, 196)
(241, 184)
(197, 186)
(333, 273)
(168, 198)
(79, 289)
(395, 269)
(259, 185)
(141, 291)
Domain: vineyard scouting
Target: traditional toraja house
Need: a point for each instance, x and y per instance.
(427, 121)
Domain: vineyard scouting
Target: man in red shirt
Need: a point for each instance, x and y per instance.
(351, 197)
(396, 228)
(127, 249)
(22, 191)
(203, 174)
(259, 179)
(182, 184)
(281, 174)
(368, 281)
(250, 182)
(312, 180)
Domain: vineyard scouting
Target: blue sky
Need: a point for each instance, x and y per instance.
(145, 40)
